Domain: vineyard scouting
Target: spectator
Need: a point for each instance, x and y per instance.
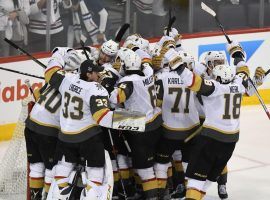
(96, 7)
(38, 23)
(13, 20)
(152, 14)
(80, 17)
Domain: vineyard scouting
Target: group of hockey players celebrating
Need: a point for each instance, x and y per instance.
(135, 122)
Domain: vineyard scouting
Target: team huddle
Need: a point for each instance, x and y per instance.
(136, 122)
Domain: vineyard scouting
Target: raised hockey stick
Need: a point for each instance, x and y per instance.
(213, 13)
(121, 32)
(22, 73)
(171, 21)
(82, 42)
(117, 164)
(25, 52)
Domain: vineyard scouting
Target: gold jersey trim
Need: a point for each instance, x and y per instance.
(180, 129)
(153, 118)
(221, 131)
(79, 131)
(44, 124)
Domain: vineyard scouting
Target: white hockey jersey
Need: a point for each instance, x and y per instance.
(45, 115)
(222, 104)
(179, 114)
(138, 94)
(81, 103)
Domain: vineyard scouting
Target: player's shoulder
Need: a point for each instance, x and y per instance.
(95, 88)
(131, 78)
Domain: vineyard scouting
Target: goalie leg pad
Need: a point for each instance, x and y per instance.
(128, 120)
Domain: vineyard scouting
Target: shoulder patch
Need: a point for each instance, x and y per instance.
(99, 87)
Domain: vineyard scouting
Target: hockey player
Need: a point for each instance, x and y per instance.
(42, 127)
(137, 92)
(215, 144)
(205, 69)
(212, 59)
(180, 119)
(84, 107)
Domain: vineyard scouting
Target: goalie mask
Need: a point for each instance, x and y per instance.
(213, 58)
(224, 73)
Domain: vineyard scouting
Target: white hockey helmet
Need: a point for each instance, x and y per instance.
(110, 48)
(224, 73)
(138, 41)
(213, 58)
(187, 59)
(132, 62)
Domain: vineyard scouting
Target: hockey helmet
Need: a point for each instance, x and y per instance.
(213, 58)
(224, 73)
(132, 62)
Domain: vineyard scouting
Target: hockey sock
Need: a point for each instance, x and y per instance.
(49, 175)
(36, 175)
(149, 182)
(194, 194)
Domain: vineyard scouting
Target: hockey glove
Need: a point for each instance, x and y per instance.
(173, 58)
(166, 41)
(259, 76)
(235, 48)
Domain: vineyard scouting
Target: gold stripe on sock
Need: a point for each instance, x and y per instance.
(193, 193)
(36, 182)
(150, 184)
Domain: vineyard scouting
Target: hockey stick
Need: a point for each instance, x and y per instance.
(121, 32)
(25, 52)
(259, 96)
(22, 73)
(193, 134)
(82, 42)
(171, 21)
(117, 164)
(213, 13)
(27, 82)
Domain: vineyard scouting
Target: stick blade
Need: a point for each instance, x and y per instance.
(207, 9)
(121, 32)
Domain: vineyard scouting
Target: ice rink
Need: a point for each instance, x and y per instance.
(249, 168)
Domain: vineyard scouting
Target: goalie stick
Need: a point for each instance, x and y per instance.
(213, 13)
(25, 52)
